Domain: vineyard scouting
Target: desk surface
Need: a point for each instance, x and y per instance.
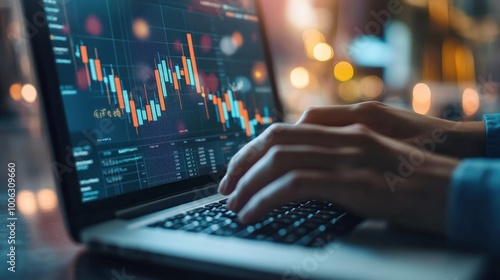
(43, 249)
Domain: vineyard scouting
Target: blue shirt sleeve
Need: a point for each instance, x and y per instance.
(474, 202)
(492, 135)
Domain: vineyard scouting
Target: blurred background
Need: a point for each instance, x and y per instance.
(436, 57)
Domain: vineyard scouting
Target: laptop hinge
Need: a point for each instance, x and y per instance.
(165, 203)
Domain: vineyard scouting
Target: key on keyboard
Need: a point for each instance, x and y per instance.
(312, 223)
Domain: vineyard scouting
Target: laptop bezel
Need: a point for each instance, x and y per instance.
(76, 213)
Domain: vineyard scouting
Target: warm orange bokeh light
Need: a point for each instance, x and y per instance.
(311, 38)
(238, 39)
(141, 29)
(323, 52)
(259, 73)
(26, 203)
(15, 92)
(350, 91)
(343, 71)
(29, 93)
(372, 87)
(422, 96)
(470, 102)
(47, 200)
(422, 93)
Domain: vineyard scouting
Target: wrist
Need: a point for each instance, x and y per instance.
(466, 139)
(436, 178)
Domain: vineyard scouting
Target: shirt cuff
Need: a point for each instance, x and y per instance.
(492, 135)
(474, 204)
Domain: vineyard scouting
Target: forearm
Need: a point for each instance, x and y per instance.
(464, 140)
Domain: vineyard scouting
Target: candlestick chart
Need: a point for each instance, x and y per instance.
(157, 91)
(170, 78)
(163, 80)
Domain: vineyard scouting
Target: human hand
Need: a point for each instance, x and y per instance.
(455, 139)
(354, 167)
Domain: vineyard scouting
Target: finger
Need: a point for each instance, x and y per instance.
(282, 159)
(352, 190)
(343, 115)
(280, 134)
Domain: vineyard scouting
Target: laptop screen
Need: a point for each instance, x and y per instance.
(158, 91)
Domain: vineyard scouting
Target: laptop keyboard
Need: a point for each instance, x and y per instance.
(312, 223)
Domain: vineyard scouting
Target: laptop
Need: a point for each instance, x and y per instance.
(146, 101)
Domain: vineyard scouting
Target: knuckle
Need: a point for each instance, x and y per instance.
(277, 153)
(370, 107)
(276, 128)
(361, 130)
(295, 180)
(309, 114)
(364, 136)
(235, 160)
(275, 131)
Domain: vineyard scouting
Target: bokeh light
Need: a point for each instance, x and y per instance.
(47, 199)
(421, 108)
(259, 73)
(300, 13)
(141, 29)
(26, 203)
(470, 102)
(465, 65)
(323, 52)
(300, 77)
(93, 25)
(206, 43)
(242, 84)
(439, 11)
(350, 92)
(81, 79)
(29, 93)
(343, 71)
(422, 93)
(422, 96)
(311, 38)
(210, 81)
(228, 46)
(178, 45)
(238, 39)
(371, 87)
(15, 92)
